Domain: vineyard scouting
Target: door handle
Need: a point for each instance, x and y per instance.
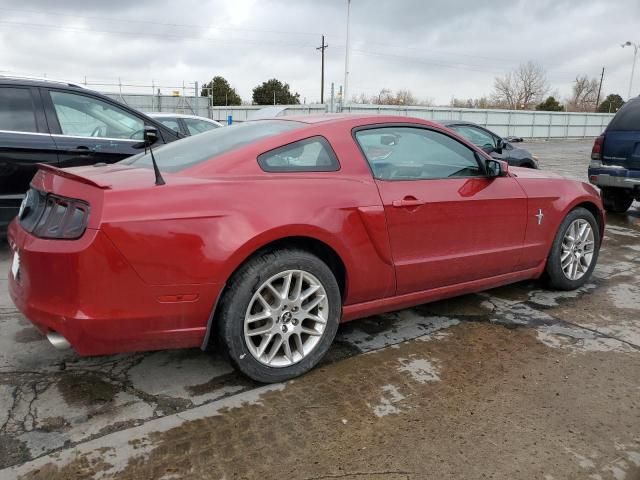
(81, 150)
(408, 201)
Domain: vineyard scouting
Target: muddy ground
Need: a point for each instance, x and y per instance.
(517, 382)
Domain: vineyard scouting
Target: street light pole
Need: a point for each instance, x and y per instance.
(346, 58)
(633, 67)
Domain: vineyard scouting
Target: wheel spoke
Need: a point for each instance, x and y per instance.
(315, 318)
(310, 331)
(287, 351)
(258, 316)
(263, 302)
(266, 340)
(259, 331)
(298, 287)
(309, 291)
(313, 303)
(277, 343)
(286, 286)
(299, 346)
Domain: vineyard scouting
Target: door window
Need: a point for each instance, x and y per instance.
(408, 153)
(196, 126)
(16, 110)
(84, 116)
(478, 137)
(171, 123)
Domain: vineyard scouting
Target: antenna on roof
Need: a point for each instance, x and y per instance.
(150, 137)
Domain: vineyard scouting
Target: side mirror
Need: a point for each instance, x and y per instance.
(497, 168)
(500, 145)
(150, 135)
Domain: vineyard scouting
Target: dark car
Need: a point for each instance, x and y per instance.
(62, 125)
(615, 159)
(496, 146)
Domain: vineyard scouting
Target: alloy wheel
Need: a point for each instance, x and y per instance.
(286, 318)
(577, 249)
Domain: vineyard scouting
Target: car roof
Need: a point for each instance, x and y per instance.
(363, 119)
(176, 115)
(456, 122)
(37, 82)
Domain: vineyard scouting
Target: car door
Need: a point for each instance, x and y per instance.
(88, 130)
(448, 222)
(24, 142)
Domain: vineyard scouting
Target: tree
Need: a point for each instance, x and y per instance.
(522, 88)
(222, 93)
(584, 93)
(387, 97)
(550, 105)
(611, 104)
(264, 94)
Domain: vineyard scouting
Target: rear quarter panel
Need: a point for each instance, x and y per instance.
(218, 225)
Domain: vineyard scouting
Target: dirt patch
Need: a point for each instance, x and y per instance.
(80, 469)
(52, 424)
(12, 450)
(86, 389)
(501, 405)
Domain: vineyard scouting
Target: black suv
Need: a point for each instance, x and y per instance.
(615, 159)
(63, 125)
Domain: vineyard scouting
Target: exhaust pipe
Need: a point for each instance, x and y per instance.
(58, 341)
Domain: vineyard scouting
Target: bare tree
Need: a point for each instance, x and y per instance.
(583, 97)
(387, 97)
(522, 88)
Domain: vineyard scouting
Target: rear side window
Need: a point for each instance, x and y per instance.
(16, 110)
(310, 155)
(190, 151)
(627, 118)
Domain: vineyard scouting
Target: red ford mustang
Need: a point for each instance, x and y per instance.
(265, 235)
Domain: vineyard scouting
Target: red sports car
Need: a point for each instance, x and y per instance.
(264, 236)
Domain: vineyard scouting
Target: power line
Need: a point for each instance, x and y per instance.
(149, 22)
(155, 35)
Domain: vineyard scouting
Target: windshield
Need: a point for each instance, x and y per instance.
(190, 151)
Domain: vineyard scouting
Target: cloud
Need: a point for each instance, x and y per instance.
(436, 49)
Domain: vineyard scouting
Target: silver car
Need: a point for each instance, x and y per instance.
(185, 125)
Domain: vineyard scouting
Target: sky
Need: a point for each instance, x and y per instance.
(437, 49)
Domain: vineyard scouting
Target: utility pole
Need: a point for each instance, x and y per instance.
(274, 97)
(346, 57)
(599, 91)
(322, 48)
(633, 67)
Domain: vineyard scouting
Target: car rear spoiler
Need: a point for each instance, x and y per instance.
(72, 176)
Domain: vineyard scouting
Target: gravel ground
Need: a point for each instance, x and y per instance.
(515, 383)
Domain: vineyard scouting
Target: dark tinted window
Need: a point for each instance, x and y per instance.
(16, 110)
(628, 117)
(309, 155)
(475, 135)
(177, 156)
(407, 153)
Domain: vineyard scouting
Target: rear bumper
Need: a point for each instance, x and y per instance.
(614, 177)
(87, 292)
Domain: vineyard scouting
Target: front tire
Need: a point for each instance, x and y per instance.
(279, 315)
(574, 252)
(616, 200)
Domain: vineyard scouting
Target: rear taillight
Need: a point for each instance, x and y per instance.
(596, 151)
(46, 215)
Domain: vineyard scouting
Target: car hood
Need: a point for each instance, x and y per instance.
(520, 172)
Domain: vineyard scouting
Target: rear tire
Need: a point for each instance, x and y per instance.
(574, 252)
(616, 200)
(270, 330)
